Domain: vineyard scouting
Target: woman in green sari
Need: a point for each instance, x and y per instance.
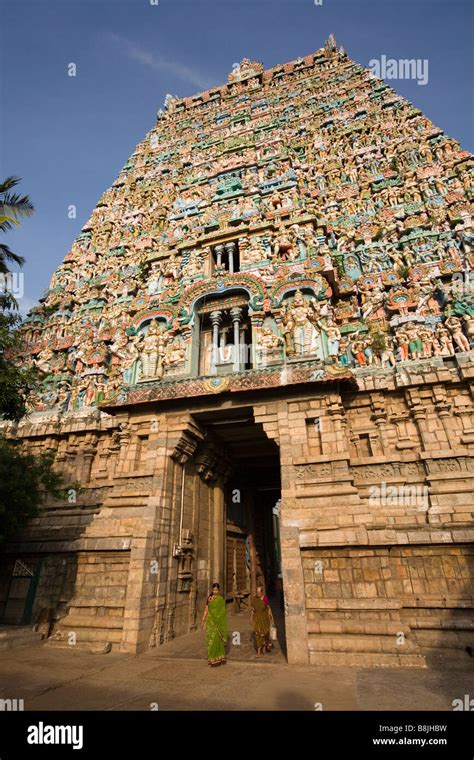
(215, 618)
(262, 619)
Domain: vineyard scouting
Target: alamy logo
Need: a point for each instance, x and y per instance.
(466, 704)
(404, 68)
(14, 283)
(45, 734)
(399, 496)
(12, 705)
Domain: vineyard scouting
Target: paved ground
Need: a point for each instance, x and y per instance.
(176, 677)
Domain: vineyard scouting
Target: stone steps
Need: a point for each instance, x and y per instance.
(18, 637)
(347, 642)
(366, 650)
(366, 660)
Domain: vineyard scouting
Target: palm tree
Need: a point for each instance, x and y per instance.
(13, 207)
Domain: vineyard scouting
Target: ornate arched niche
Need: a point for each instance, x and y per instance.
(222, 333)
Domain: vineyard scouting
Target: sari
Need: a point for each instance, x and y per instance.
(216, 630)
(261, 622)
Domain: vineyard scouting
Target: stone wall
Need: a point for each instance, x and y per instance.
(388, 604)
(376, 520)
(388, 470)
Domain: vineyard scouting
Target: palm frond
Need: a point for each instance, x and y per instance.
(6, 254)
(15, 205)
(7, 222)
(8, 183)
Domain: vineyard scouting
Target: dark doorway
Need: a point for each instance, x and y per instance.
(252, 497)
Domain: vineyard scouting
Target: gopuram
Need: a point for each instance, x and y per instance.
(258, 365)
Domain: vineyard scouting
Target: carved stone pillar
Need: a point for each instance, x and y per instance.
(429, 427)
(444, 409)
(230, 250)
(124, 436)
(236, 315)
(216, 318)
(337, 414)
(223, 355)
(88, 456)
(219, 251)
(380, 417)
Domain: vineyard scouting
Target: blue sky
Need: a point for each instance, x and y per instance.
(68, 137)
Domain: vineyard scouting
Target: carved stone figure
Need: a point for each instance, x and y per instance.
(402, 340)
(300, 320)
(454, 325)
(175, 353)
(469, 322)
(194, 265)
(284, 246)
(152, 352)
(333, 336)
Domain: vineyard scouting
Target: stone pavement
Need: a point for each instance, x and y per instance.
(241, 646)
(176, 677)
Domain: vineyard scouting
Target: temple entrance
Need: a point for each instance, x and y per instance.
(252, 538)
(251, 555)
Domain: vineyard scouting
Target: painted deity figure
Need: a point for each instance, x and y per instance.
(445, 342)
(284, 247)
(255, 251)
(333, 335)
(469, 320)
(176, 353)
(300, 331)
(269, 344)
(154, 285)
(402, 341)
(124, 354)
(170, 269)
(194, 265)
(268, 339)
(357, 348)
(386, 355)
(373, 301)
(426, 336)
(152, 351)
(43, 361)
(310, 240)
(454, 326)
(118, 348)
(415, 344)
(343, 353)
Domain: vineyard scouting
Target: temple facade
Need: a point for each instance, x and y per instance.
(258, 367)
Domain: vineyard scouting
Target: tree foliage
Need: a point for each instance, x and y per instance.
(16, 380)
(25, 481)
(13, 208)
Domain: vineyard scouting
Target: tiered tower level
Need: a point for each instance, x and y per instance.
(301, 232)
(311, 178)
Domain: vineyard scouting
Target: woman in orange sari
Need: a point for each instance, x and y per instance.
(262, 619)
